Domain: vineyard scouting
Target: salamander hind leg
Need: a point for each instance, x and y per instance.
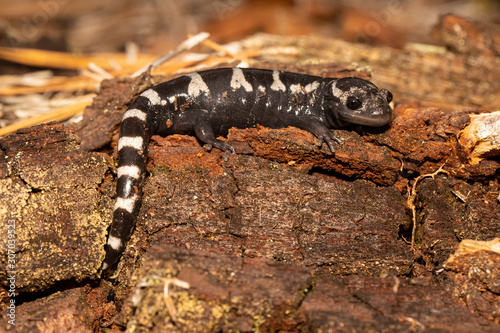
(205, 133)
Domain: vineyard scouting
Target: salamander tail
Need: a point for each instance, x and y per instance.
(132, 147)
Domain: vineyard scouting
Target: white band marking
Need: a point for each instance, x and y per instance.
(297, 88)
(127, 204)
(131, 171)
(115, 243)
(277, 84)
(312, 86)
(197, 86)
(153, 96)
(135, 113)
(130, 141)
(300, 89)
(238, 80)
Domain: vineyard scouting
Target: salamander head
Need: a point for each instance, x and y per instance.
(356, 101)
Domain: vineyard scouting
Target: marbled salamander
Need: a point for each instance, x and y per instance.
(209, 103)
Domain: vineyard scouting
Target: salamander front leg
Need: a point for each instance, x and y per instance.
(328, 137)
(323, 133)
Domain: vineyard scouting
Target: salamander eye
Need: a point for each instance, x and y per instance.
(389, 97)
(353, 102)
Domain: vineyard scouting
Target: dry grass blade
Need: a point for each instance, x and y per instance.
(55, 84)
(58, 114)
(63, 60)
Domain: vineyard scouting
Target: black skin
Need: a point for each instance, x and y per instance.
(209, 103)
(317, 111)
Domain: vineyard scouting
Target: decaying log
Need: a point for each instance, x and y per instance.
(79, 309)
(474, 273)
(481, 137)
(386, 304)
(465, 36)
(56, 194)
(260, 295)
(284, 235)
(195, 200)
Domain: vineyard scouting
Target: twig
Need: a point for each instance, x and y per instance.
(172, 311)
(218, 48)
(411, 200)
(184, 46)
(99, 70)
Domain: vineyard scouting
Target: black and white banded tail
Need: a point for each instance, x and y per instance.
(134, 137)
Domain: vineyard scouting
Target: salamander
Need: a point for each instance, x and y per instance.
(208, 103)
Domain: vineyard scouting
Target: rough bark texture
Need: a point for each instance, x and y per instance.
(284, 236)
(60, 200)
(474, 276)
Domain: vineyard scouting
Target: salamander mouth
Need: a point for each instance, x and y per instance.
(370, 120)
